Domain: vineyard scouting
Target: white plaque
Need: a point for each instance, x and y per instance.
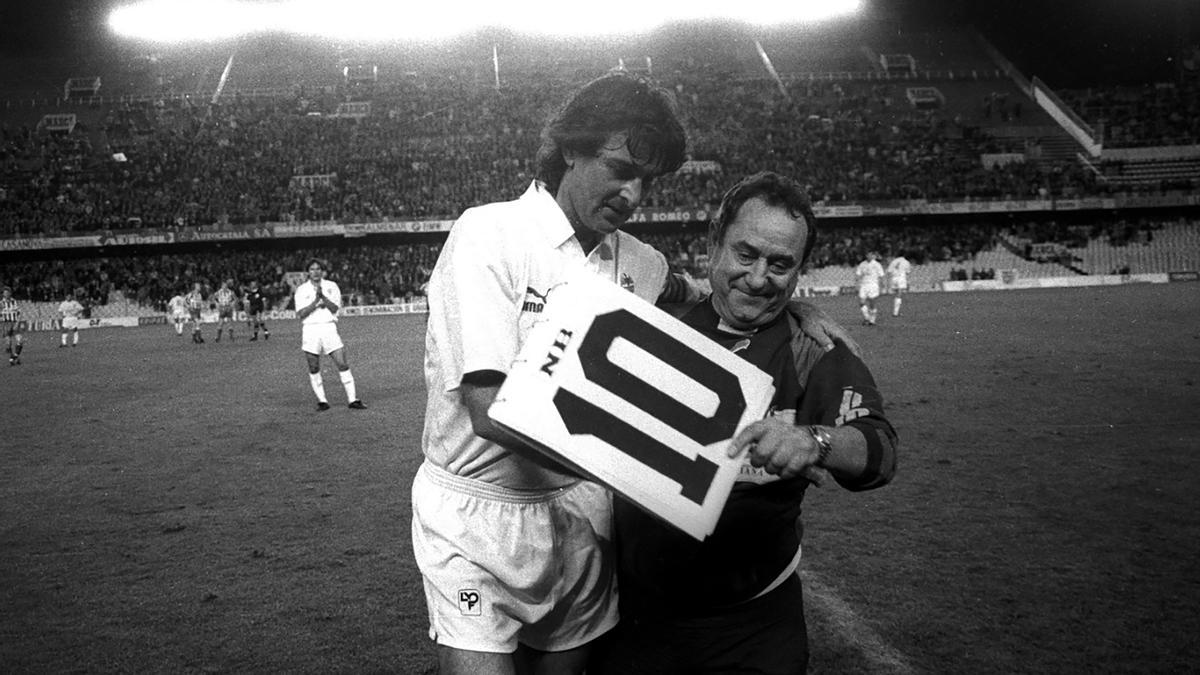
(624, 393)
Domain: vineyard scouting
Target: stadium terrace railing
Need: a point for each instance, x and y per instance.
(876, 76)
(966, 74)
(194, 98)
(299, 230)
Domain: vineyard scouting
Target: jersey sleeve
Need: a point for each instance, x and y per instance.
(842, 392)
(474, 306)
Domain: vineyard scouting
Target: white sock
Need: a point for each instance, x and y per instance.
(896, 306)
(64, 339)
(348, 383)
(865, 312)
(75, 337)
(318, 386)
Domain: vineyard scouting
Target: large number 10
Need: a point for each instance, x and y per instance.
(581, 416)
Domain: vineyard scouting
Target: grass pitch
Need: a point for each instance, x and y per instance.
(170, 507)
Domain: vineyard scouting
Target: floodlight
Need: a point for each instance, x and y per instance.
(184, 20)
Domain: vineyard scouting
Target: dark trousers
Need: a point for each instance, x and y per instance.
(766, 636)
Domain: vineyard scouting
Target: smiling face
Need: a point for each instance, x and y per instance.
(599, 192)
(316, 272)
(756, 265)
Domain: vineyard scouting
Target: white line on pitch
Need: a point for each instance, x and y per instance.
(882, 656)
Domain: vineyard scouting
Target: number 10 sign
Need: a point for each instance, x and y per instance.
(626, 394)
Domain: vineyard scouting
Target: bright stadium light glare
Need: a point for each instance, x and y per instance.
(191, 20)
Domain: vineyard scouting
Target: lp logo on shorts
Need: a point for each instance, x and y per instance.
(468, 602)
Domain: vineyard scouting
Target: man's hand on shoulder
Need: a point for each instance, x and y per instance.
(817, 325)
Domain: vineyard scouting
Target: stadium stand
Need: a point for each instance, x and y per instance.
(904, 137)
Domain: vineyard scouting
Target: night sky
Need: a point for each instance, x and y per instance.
(1071, 43)
(1068, 43)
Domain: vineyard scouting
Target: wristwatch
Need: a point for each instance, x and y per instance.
(824, 443)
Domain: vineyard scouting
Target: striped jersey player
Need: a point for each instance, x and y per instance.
(10, 326)
(195, 305)
(225, 299)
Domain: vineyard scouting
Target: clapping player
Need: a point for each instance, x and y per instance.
(317, 302)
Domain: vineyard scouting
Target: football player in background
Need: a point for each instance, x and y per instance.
(869, 274)
(195, 305)
(225, 298)
(10, 326)
(897, 271)
(317, 302)
(254, 303)
(177, 308)
(69, 314)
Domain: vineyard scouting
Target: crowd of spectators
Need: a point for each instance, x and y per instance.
(1160, 114)
(1118, 232)
(374, 273)
(961, 274)
(431, 148)
(369, 274)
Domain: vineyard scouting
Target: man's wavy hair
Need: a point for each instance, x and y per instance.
(616, 102)
(774, 189)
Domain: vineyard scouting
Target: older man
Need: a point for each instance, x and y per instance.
(734, 603)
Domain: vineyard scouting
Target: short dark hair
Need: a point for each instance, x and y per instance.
(774, 189)
(616, 102)
(320, 261)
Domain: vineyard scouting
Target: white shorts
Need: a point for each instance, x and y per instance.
(320, 338)
(70, 323)
(503, 567)
(868, 292)
(900, 286)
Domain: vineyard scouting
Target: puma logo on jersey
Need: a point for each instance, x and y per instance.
(532, 305)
